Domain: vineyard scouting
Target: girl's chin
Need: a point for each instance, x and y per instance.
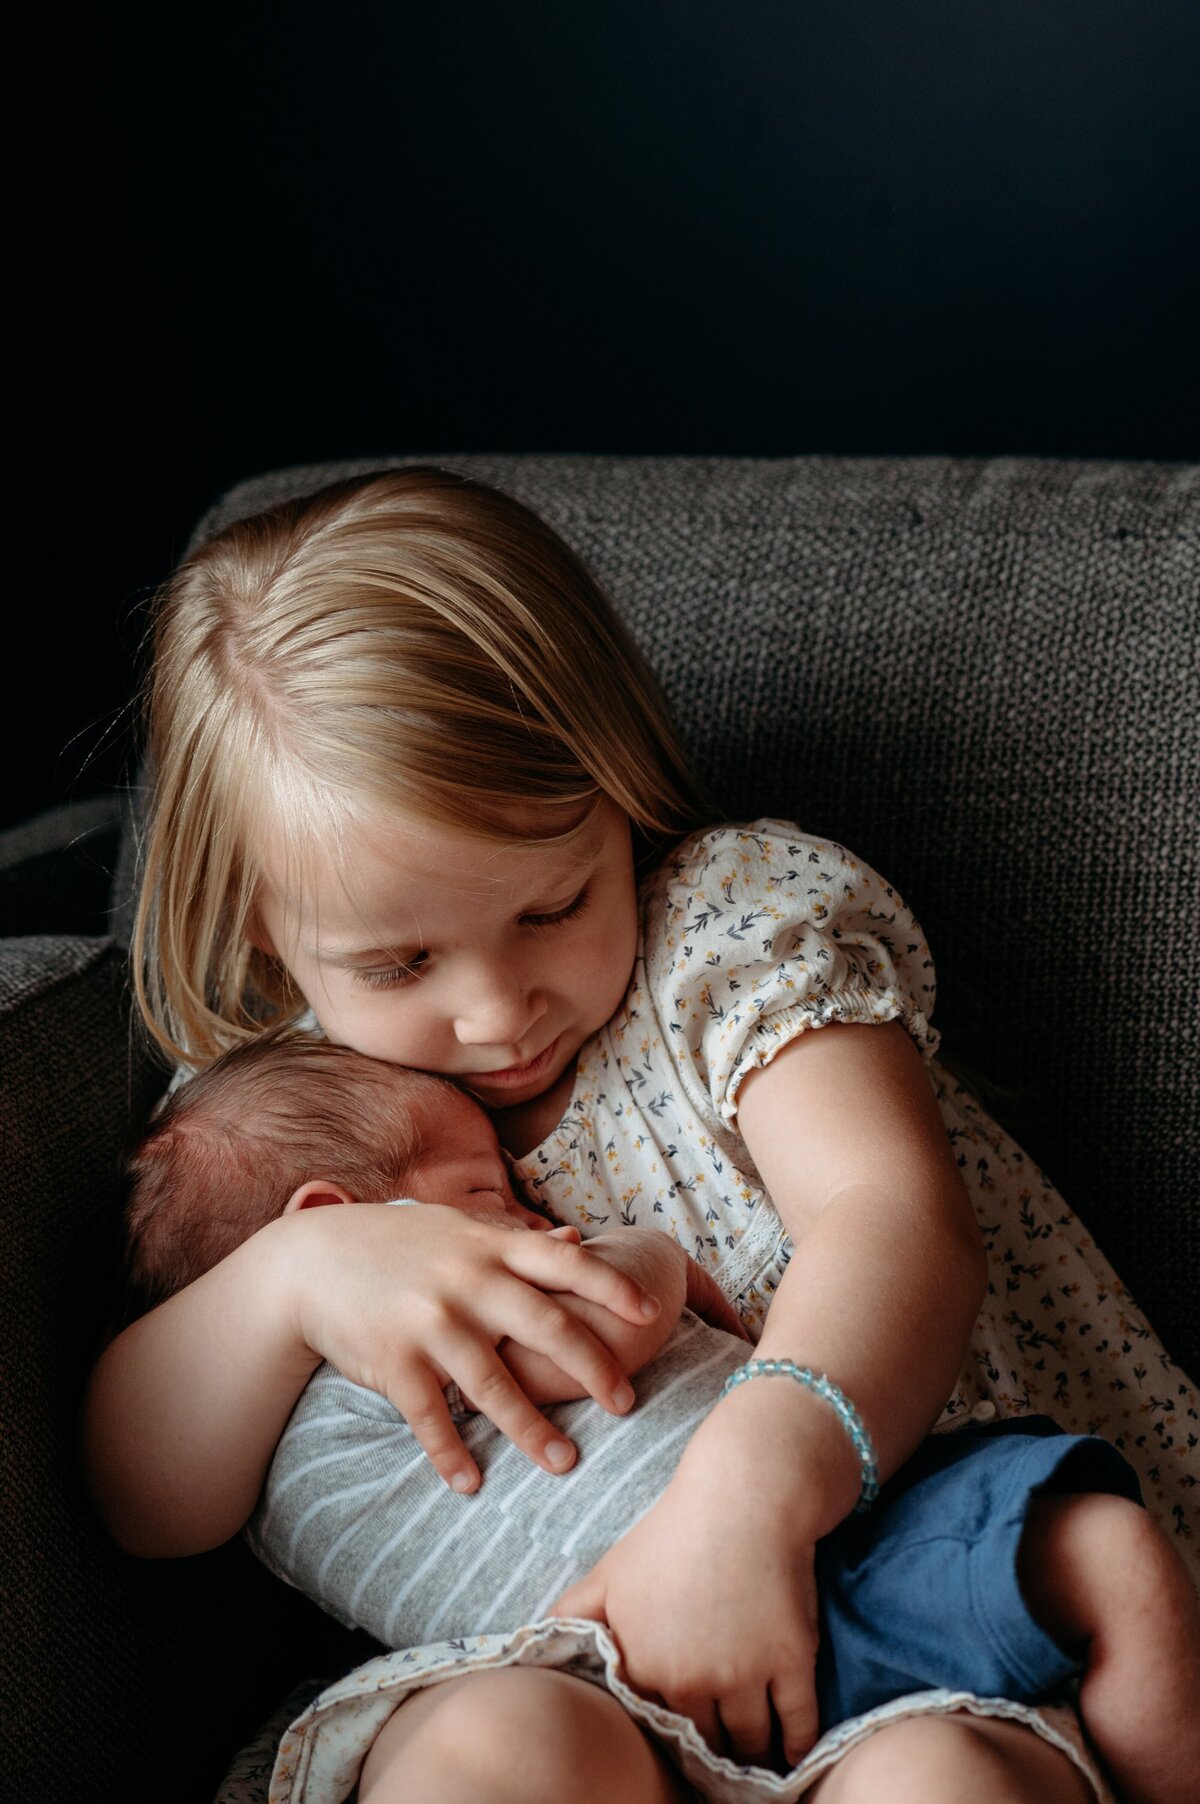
(542, 1105)
(517, 1083)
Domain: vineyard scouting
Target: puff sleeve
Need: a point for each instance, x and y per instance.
(756, 933)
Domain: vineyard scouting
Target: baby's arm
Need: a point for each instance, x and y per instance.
(664, 1270)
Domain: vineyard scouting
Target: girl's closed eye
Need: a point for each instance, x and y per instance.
(570, 912)
(391, 977)
(394, 976)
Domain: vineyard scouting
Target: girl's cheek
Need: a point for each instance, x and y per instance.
(382, 1030)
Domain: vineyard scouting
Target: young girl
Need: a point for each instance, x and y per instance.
(408, 774)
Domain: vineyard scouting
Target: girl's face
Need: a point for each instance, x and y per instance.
(430, 948)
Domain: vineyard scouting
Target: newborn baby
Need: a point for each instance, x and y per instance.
(300, 1123)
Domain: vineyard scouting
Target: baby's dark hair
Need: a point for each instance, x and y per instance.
(231, 1146)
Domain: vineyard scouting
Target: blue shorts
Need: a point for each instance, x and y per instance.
(921, 1592)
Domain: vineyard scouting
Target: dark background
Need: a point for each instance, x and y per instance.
(267, 234)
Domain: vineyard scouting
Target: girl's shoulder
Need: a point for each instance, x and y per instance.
(747, 859)
(755, 931)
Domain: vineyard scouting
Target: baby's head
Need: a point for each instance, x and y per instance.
(294, 1123)
(408, 645)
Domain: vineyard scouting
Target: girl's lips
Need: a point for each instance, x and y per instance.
(515, 1075)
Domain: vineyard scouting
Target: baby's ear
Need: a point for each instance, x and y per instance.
(316, 1194)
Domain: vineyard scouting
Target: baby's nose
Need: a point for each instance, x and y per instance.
(527, 1218)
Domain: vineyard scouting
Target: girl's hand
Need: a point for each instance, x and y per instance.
(404, 1300)
(185, 1407)
(663, 1270)
(711, 1596)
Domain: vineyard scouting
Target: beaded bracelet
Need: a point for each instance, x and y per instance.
(849, 1417)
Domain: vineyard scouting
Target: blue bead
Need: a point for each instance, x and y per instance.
(849, 1417)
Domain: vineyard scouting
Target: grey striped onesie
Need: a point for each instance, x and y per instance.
(354, 1515)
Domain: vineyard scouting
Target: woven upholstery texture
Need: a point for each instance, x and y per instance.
(982, 677)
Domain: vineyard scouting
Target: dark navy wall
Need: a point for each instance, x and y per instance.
(279, 232)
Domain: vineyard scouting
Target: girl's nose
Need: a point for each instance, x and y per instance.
(499, 1011)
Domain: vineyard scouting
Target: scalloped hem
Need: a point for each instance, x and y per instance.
(321, 1753)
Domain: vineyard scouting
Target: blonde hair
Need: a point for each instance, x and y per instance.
(413, 640)
(230, 1147)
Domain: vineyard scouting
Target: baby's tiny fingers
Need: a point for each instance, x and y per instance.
(706, 1298)
(545, 1326)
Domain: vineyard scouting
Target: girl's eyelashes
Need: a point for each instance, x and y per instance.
(572, 909)
(392, 977)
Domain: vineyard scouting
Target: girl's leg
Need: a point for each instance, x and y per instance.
(1101, 1577)
(953, 1760)
(518, 1735)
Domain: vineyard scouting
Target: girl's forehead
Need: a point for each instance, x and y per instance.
(382, 870)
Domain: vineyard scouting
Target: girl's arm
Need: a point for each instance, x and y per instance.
(880, 1295)
(184, 1408)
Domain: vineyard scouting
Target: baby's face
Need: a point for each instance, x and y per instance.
(460, 1164)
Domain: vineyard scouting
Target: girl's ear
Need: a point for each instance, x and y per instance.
(316, 1194)
(257, 934)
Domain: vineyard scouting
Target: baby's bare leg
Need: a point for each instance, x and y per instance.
(518, 1735)
(1100, 1577)
(953, 1760)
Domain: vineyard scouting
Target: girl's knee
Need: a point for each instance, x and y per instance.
(1088, 1559)
(950, 1760)
(519, 1735)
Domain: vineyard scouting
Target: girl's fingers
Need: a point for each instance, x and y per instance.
(423, 1405)
(482, 1375)
(555, 1263)
(703, 1712)
(746, 1719)
(795, 1704)
(585, 1598)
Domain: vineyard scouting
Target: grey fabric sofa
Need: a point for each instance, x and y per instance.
(981, 676)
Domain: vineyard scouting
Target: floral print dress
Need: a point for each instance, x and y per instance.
(752, 935)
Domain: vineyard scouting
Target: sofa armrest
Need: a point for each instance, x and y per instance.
(122, 1678)
(57, 870)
